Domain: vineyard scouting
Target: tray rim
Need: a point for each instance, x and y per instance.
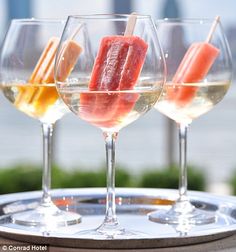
(4, 198)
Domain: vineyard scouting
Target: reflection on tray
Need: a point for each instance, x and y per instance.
(130, 200)
(77, 202)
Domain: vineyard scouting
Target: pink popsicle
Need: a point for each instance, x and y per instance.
(195, 65)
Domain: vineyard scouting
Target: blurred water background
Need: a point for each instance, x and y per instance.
(143, 144)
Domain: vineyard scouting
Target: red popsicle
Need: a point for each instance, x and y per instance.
(118, 63)
(117, 67)
(195, 65)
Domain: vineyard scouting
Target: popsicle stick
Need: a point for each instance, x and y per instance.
(75, 32)
(213, 27)
(131, 24)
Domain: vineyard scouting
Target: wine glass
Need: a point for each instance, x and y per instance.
(27, 69)
(199, 73)
(118, 78)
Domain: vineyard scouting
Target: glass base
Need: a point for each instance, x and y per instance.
(46, 215)
(111, 231)
(183, 213)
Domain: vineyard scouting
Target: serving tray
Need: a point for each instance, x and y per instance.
(133, 205)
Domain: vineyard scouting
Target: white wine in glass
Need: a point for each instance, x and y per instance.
(27, 77)
(119, 77)
(199, 73)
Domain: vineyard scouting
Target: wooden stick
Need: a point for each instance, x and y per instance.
(213, 27)
(130, 24)
(75, 32)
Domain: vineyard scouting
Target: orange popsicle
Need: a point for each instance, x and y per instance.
(42, 73)
(68, 55)
(194, 66)
(42, 98)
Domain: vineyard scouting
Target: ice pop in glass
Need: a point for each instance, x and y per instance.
(193, 68)
(117, 67)
(198, 77)
(119, 77)
(27, 75)
(40, 95)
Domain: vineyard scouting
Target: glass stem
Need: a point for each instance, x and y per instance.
(183, 182)
(47, 154)
(110, 218)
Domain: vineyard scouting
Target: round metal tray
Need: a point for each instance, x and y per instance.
(133, 205)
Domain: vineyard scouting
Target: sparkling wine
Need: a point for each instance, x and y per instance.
(39, 101)
(185, 102)
(109, 110)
